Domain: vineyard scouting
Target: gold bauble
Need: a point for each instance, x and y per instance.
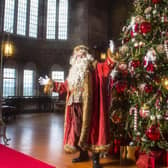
(160, 48)
(164, 82)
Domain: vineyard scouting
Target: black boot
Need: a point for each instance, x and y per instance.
(82, 157)
(96, 163)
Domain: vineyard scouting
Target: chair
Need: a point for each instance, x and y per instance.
(8, 110)
(3, 131)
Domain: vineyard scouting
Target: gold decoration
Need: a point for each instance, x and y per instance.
(144, 111)
(127, 155)
(116, 116)
(123, 50)
(139, 19)
(145, 107)
(148, 10)
(164, 82)
(160, 48)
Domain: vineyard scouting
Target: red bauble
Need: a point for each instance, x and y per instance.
(135, 63)
(145, 27)
(153, 133)
(148, 88)
(155, 1)
(121, 86)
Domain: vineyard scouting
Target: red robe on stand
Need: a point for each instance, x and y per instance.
(87, 121)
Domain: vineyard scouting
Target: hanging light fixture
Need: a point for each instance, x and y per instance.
(8, 49)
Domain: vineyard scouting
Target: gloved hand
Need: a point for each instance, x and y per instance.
(111, 46)
(44, 81)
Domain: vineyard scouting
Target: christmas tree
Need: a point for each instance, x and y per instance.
(145, 49)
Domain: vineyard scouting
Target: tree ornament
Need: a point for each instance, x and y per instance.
(148, 10)
(153, 133)
(149, 60)
(125, 40)
(152, 118)
(157, 80)
(166, 47)
(135, 30)
(136, 45)
(148, 88)
(133, 39)
(160, 48)
(145, 27)
(154, 12)
(124, 28)
(132, 65)
(157, 104)
(141, 87)
(139, 19)
(141, 44)
(121, 86)
(148, 16)
(122, 66)
(123, 50)
(135, 111)
(116, 117)
(128, 54)
(144, 111)
(159, 116)
(166, 115)
(164, 82)
(150, 56)
(155, 1)
(164, 19)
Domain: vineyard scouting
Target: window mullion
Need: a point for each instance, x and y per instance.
(15, 16)
(28, 18)
(57, 21)
(2, 14)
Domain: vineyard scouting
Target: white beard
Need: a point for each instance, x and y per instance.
(78, 70)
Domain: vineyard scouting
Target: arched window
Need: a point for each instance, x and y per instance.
(26, 9)
(51, 19)
(21, 17)
(29, 75)
(9, 15)
(27, 13)
(63, 19)
(57, 19)
(28, 78)
(33, 23)
(9, 82)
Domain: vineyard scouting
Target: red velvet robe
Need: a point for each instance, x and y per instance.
(87, 126)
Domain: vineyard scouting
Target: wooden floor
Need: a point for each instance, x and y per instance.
(40, 135)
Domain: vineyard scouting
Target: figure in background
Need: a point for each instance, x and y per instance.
(86, 114)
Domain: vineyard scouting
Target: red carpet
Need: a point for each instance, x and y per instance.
(10, 158)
